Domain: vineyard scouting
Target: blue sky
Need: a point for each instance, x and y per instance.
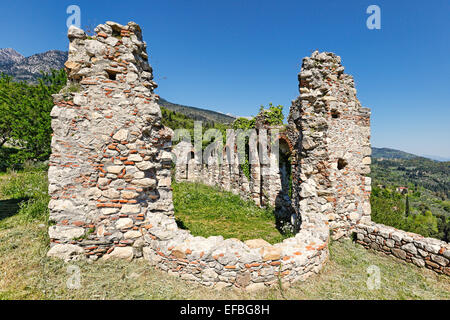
(233, 56)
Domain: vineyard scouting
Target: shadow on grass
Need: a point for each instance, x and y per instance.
(10, 207)
(181, 224)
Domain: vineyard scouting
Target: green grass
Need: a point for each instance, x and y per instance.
(25, 194)
(28, 274)
(207, 211)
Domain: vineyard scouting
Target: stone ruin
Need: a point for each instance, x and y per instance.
(328, 140)
(110, 173)
(111, 156)
(267, 182)
(331, 131)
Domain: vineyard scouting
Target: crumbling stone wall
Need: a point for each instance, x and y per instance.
(332, 136)
(110, 177)
(266, 185)
(269, 169)
(424, 252)
(331, 133)
(110, 162)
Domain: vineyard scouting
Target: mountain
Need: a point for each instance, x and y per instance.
(9, 55)
(197, 113)
(29, 68)
(437, 158)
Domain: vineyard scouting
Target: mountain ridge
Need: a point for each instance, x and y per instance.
(391, 154)
(29, 68)
(9, 55)
(195, 113)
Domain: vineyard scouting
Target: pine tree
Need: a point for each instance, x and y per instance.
(407, 212)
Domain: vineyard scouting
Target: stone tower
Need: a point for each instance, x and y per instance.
(331, 131)
(110, 162)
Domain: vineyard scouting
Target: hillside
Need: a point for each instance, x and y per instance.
(387, 153)
(197, 113)
(395, 167)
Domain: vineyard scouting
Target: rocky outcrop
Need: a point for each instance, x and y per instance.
(9, 55)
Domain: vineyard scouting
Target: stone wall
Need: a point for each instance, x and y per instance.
(331, 135)
(110, 177)
(267, 184)
(110, 162)
(410, 247)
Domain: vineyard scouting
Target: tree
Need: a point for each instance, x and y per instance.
(407, 212)
(6, 90)
(274, 114)
(25, 114)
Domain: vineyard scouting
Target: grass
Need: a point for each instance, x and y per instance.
(207, 211)
(26, 272)
(24, 193)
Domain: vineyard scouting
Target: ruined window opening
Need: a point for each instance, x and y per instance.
(112, 75)
(334, 114)
(342, 164)
(191, 156)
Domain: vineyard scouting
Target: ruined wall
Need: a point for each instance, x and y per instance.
(110, 162)
(110, 177)
(267, 184)
(430, 253)
(332, 134)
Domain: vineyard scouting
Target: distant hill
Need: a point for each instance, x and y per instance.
(437, 158)
(394, 167)
(197, 113)
(387, 153)
(29, 68)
